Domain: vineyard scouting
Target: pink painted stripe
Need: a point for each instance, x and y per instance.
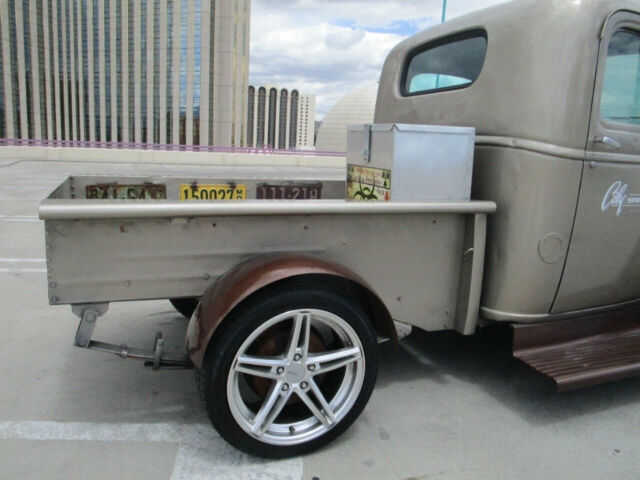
(22, 142)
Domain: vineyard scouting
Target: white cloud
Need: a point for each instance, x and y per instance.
(344, 37)
(330, 47)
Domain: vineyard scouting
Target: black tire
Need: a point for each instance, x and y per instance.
(186, 306)
(248, 319)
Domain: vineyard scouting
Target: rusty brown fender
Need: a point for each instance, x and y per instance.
(240, 282)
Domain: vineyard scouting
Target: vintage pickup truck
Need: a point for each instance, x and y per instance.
(291, 296)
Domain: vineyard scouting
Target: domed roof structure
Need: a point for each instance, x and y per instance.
(354, 108)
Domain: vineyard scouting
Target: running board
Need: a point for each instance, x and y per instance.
(584, 351)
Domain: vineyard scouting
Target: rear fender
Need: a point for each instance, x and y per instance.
(247, 278)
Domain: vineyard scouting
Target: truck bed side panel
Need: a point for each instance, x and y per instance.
(413, 261)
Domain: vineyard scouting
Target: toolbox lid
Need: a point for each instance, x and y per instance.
(406, 127)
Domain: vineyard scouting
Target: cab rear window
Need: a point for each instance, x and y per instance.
(449, 63)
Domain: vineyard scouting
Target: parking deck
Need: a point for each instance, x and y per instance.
(445, 406)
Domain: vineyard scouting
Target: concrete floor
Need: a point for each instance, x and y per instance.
(445, 406)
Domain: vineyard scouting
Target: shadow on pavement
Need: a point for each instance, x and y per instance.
(485, 360)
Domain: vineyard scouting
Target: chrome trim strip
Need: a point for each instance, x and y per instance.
(499, 316)
(613, 157)
(531, 145)
(556, 151)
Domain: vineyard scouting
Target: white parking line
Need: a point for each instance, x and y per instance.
(23, 270)
(23, 260)
(19, 218)
(202, 454)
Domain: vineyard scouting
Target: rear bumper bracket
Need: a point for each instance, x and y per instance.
(155, 358)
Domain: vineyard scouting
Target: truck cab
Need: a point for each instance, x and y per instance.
(553, 90)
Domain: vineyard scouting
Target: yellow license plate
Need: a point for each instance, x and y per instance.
(213, 192)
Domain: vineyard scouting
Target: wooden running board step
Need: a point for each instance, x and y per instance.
(583, 351)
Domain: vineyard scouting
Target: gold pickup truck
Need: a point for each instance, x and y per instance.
(288, 298)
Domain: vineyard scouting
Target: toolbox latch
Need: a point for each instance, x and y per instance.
(366, 151)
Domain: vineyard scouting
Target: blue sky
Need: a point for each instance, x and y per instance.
(331, 47)
(405, 28)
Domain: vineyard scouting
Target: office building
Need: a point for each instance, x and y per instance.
(129, 71)
(280, 119)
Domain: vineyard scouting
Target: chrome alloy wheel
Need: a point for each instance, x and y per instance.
(297, 373)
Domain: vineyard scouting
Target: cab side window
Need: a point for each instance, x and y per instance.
(449, 63)
(621, 88)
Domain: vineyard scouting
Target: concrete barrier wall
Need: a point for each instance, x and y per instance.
(165, 156)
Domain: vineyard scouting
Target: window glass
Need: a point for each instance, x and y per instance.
(621, 89)
(453, 64)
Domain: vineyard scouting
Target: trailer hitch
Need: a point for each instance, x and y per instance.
(155, 358)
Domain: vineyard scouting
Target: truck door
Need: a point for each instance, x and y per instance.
(603, 263)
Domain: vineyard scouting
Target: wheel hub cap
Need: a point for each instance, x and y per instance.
(295, 373)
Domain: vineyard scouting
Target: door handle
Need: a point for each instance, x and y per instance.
(608, 141)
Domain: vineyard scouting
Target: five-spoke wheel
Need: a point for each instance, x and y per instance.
(290, 371)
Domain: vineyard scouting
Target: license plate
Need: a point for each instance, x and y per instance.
(127, 192)
(213, 192)
(289, 192)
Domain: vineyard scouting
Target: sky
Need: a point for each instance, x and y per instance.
(331, 47)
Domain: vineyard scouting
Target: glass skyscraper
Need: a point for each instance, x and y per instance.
(125, 71)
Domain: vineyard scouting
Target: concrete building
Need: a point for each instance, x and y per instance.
(354, 108)
(277, 118)
(143, 71)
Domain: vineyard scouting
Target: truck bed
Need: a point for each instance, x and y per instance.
(411, 253)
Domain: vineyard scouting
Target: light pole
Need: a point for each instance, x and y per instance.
(444, 16)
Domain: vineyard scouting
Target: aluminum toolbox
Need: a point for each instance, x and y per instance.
(416, 162)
